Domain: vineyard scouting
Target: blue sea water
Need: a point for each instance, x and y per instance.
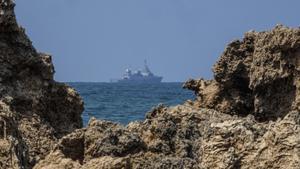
(124, 103)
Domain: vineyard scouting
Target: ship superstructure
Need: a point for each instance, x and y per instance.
(144, 76)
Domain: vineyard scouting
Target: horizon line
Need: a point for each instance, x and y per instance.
(114, 82)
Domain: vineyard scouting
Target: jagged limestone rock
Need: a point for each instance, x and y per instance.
(258, 75)
(36, 109)
(182, 137)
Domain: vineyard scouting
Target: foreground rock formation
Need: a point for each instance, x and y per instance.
(35, 110)
(247, 117)
(258, 75)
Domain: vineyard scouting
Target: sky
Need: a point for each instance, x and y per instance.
(96, 40)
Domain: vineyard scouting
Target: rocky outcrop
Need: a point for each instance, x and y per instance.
(181, 137)
(258, 75)
(35, 110)
(248, 116)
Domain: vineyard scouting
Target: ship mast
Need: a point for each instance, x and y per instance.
(147, 70)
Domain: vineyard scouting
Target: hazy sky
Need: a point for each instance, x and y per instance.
(95, 40)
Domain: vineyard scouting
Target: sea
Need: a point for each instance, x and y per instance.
(124, 103)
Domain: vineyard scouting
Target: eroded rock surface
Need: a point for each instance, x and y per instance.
(182, 137)
(257, 75)
(248, 116)
(35, 110)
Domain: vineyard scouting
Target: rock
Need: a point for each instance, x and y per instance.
(188, 137)
(258, 75)
(36, 109)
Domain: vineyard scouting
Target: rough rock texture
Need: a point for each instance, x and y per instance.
(181, 137)
(35, 110)
(258, 75)
(248, 116)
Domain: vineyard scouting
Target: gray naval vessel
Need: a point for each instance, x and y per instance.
(145, 76)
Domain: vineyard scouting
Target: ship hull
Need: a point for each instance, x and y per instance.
(142, 80)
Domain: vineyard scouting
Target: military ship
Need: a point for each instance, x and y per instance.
(145, 76)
